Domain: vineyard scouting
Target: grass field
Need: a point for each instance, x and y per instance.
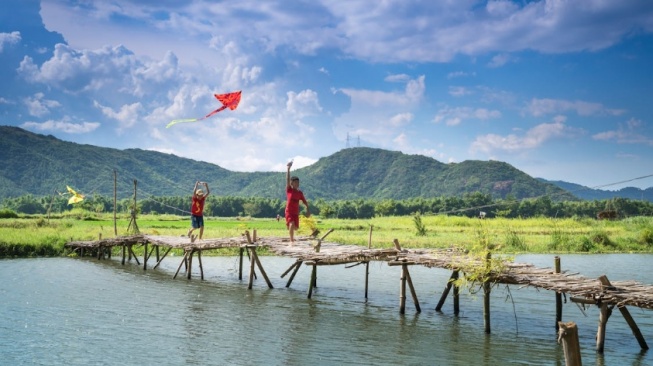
(39, 236)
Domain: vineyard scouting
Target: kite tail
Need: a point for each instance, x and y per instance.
(215, 111)
(175, 121)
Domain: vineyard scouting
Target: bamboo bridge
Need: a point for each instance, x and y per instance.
(315, 251)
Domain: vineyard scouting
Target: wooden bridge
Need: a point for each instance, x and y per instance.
(316, 251)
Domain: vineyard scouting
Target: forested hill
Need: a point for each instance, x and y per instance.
(40, 165)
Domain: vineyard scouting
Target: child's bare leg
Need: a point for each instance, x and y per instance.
(201, 232)
(291, 229)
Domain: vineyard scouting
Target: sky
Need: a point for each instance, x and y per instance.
(559, 89)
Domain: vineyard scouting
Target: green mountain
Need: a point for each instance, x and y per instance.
(40, 165)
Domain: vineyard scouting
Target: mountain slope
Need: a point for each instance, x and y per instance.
(38, 165)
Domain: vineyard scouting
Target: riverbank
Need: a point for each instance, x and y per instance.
(38, 236)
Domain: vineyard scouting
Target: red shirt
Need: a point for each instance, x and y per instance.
(197, 207)
(294, 196)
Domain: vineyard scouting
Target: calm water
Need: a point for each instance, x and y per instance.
(63, 311)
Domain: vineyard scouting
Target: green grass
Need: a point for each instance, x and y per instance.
(38, 236)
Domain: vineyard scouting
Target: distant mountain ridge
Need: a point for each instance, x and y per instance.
(590, 194)
(39, 165)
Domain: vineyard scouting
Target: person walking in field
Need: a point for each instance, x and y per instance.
(197, 209)
(293, 196)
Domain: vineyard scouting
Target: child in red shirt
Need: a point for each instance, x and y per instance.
(293, 196)
(197, 209)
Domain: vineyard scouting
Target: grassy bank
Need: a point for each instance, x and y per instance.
(39, 236)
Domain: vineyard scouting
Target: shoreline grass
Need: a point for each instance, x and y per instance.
(38, 236)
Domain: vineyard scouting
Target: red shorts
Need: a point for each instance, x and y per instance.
(292, 218)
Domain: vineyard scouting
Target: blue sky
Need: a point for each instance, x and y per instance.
(560, 89)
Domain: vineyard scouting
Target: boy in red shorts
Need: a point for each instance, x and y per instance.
(197, 210)
(293, 196)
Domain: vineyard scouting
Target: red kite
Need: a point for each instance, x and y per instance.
(229, 100)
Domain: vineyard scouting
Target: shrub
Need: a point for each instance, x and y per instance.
(419, 225)
(6, 213)
(646, 237)
(513, 240)
(601, 238)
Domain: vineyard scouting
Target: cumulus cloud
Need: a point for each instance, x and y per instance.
(401, 119)
(304, 103)
(379, 116)
(127, 116)
(391, 31)
(37, 106)
(540, 107)
(62, 125)
(9, 39)
(531, 139)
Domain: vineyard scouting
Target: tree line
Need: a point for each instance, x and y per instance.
(469, 205)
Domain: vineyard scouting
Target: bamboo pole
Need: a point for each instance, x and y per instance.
(402, 289)
(568, 336)
(604, 314)
(240, 263)
(487, 286)
(367, 264)
(412, 291)
(297, 262)
(292, 276)
(199, 261)
(189, 270)
(251, 270)
(456, 299)
(629, 319)
(161, 259)
(145, 256)
(558, 295)
(115, 225)
(313, 280)
(447, 288)
(183, 261)
(260, 267)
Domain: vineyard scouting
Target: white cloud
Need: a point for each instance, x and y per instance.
(532, 139)
(397, 78)
(127, 116)
(9, 39)
(401, 119)
(63, 126)
(500, 60)
(390, 31)
(540, 107)
(304, 103)
(459, 91)
(454, 116)
(379, 116)
(459, 74)
(39, 107)
(628, 133)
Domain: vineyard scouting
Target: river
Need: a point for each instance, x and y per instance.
(72, 311)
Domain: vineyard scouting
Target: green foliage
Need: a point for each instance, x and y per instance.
(646, 236)
(420, 228)
(514, 241)
(6, 213)
(481, 263)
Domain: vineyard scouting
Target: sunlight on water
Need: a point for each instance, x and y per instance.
(63, 311)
